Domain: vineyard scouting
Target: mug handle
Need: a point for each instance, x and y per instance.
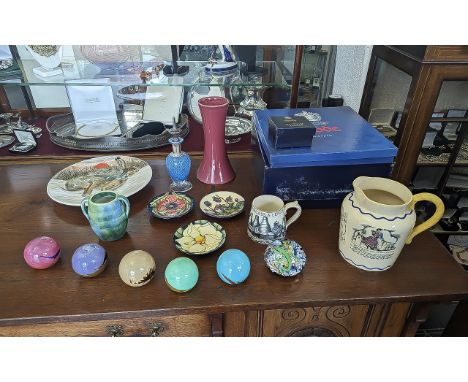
(296, 215)
(84, 207)
(440, 208)
(126, 204)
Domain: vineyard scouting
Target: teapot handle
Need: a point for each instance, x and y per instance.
(440, 208)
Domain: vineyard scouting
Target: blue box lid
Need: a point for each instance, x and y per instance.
(342, 137)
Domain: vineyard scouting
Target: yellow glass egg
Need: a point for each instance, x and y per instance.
(137, 268)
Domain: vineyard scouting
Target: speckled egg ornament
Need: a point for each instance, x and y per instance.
(137, 268)
(233, 266)
(181, 274)
(41, 252)
(285, 258)
(89, 260)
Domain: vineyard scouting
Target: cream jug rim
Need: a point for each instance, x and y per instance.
(267, 196)
(404, 192)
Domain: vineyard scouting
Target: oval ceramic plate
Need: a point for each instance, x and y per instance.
(222, 204)
(199, 237)
(122, 174)
(170, 205)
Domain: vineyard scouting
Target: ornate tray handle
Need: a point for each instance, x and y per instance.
(115, 330)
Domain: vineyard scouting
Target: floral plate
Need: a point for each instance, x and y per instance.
(170, 205)
(199, 237)
(222, 204)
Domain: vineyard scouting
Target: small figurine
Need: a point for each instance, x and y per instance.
(233, 266)
(89, 260)
(178, 162)
(181, 274)
(41, 252)
(137, 268)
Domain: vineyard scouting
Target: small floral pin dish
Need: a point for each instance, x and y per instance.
(170, 205)
(285, 258)
(222, 204)
(199, 237)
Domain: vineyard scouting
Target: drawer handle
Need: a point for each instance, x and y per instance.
(156, 328)
(115, 330)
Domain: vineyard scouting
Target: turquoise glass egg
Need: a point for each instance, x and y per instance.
(233, 266)
(181, 274)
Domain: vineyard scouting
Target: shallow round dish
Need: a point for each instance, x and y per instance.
(122, 174)
(236, 127)
(170, 205)
(222, 204)
(199, 237)
(285, 258)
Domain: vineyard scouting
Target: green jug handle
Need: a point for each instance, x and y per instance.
(84, 207)
(126, 203)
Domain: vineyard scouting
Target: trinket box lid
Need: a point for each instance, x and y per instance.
(342, 137)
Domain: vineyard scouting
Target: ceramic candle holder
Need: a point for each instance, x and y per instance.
(137, 268)
(233, 266)
(181, 274)
(41, 252)
(89, 260)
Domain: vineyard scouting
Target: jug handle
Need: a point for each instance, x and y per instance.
(126, 203)
(440, 208)
(84, 207)
(296, 215)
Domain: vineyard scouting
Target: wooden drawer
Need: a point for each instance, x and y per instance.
(166, 326)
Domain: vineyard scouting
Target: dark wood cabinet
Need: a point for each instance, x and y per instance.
(329, 298)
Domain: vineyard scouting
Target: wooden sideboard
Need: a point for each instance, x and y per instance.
(329, 298)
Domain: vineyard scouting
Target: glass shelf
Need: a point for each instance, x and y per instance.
(269, 74)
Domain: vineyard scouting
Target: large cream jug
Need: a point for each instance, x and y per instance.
(378, 219)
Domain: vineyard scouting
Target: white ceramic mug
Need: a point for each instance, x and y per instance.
(267, 221)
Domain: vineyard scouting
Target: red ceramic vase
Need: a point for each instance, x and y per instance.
(215, 167)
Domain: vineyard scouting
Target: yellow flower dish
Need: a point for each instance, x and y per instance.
(199, 237)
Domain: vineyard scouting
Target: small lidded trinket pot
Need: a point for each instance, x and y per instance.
(181, 274)
(285, 258)
(89, 260)
(41, 252)
(233, 266)
(137, 268)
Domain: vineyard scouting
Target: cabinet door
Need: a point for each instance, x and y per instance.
(320, 321)
(343, 320)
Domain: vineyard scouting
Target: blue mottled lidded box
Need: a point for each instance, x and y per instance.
(345, 146)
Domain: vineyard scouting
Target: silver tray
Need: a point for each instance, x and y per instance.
(61, 129)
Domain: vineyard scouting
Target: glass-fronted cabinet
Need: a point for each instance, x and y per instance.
(418, 97)
(122, 97)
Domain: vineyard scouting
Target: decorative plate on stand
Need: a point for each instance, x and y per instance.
(123, 174)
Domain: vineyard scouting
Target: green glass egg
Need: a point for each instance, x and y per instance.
(181, 274)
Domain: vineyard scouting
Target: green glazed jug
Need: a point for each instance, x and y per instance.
(107, 213)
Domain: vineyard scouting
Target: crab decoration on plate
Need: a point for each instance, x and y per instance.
(170, 205)
(199, 237)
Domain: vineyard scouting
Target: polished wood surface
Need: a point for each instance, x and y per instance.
(424, 272)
